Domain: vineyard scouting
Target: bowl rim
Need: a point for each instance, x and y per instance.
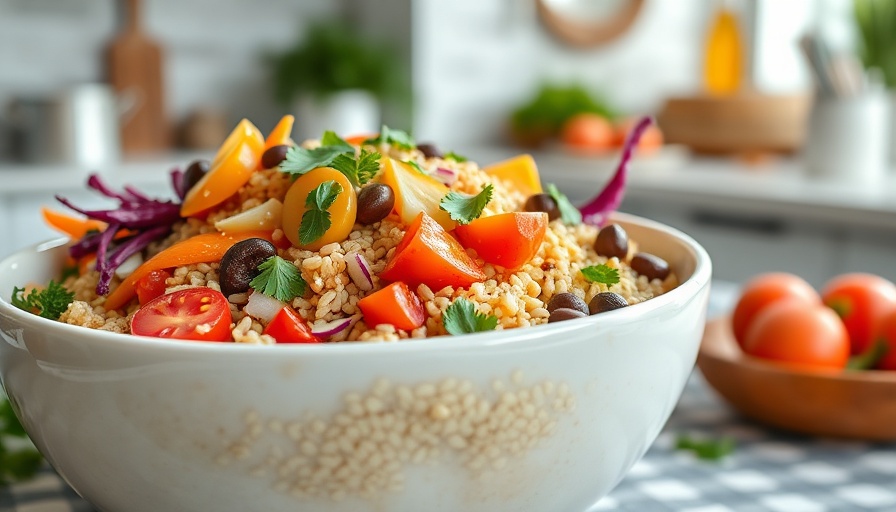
(684, 292)
(757, 365)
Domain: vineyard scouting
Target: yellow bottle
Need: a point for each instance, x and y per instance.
(723, 64)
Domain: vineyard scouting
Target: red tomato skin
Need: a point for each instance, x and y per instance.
(151, 285)
(886, 333)
(792, 332)
(178, 315)
(861, 300)
(289, 327)
(508, 239)
(765, 289)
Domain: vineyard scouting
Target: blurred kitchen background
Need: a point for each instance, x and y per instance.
(773, 147)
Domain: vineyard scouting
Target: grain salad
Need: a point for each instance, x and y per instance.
(359, 239)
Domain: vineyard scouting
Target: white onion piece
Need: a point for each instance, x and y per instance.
(445, 175)
(327, 329)
(263, 307)
(129, 265)
(359, 271)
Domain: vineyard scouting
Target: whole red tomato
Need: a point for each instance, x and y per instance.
(861, 300)
(886, 333)
(799, 334)
(766, 289)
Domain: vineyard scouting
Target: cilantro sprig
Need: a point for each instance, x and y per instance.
(465, 208)
(397, 138)
(461, 318)
(706, 449)
(451, 155)
(569, 214)
(316, 220)
(49, 302)
(19, 464)
(336, 153)
(601, 274)
(279, 279)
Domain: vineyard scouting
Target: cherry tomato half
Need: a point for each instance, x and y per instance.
(200, 314)
(288, 327)
(151, 285)
(763, 290)
(861, 300)
(798, 334)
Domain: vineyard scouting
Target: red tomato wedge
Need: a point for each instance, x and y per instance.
(428, 254)
(288, 327)
(506, 239)
(395, 304)
(151, 285)
(200, 314)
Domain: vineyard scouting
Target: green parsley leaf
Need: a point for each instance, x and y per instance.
(569, 214)
(706, 449)
(300, 160)
(330, 139)
(451, 155)
(18, 464)
(415, 165)
(465, 208)
(358, 170)
(316, 220)
(50, 302)
(279, 279)
(601, 274)
(461, 318)
(395, 138)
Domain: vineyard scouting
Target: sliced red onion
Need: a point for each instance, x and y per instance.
(445, 175)
(177, 183)
(263, 307)
(327, 329)
(359, 271)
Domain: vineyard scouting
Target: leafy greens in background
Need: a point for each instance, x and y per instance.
(543, 116)
(18, 460)
(876, 23)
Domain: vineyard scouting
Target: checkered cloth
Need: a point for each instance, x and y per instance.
(769, 470)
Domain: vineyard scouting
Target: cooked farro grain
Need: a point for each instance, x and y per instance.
(517, 298)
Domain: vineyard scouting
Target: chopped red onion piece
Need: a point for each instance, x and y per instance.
(327, 329)
(263, 307)
(445, 175)
(359, 271)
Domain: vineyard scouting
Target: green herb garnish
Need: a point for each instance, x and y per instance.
(416, 166)
(358, 170)
(316, 220)
(50, 302)
(601, 274)
(395, 138)
(336, 153)
(465, 208)
(451, 155)
(569, 214)
(706, 449)
(15, 465)
(461, 318)
(279, 279)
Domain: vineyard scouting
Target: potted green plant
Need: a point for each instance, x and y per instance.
(876, 24)
(335, 79)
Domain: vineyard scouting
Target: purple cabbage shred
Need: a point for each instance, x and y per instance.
(146, 218)
(596, 211)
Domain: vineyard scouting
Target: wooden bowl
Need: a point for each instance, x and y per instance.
(857, 405)
(743, 123)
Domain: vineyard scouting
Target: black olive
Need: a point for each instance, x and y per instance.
(567, 300)
(375, 201)
(606, 301)
(649, 265)
(612, 241)
(195, 171)
(239, 266)
(429, 150)
(273, 156)
(543, 203)
(561, 314)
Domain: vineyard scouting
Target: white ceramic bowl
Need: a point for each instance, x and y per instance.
(547, 418)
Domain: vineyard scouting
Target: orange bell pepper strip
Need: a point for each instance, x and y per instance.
(507, 239)
(520, 171)
(395, 304)
(74, 227)
(205, 248)
(428, 254)
(357, 140)
(281, 134)
(232, 167)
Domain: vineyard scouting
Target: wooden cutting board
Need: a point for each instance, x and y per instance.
(134, 66)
